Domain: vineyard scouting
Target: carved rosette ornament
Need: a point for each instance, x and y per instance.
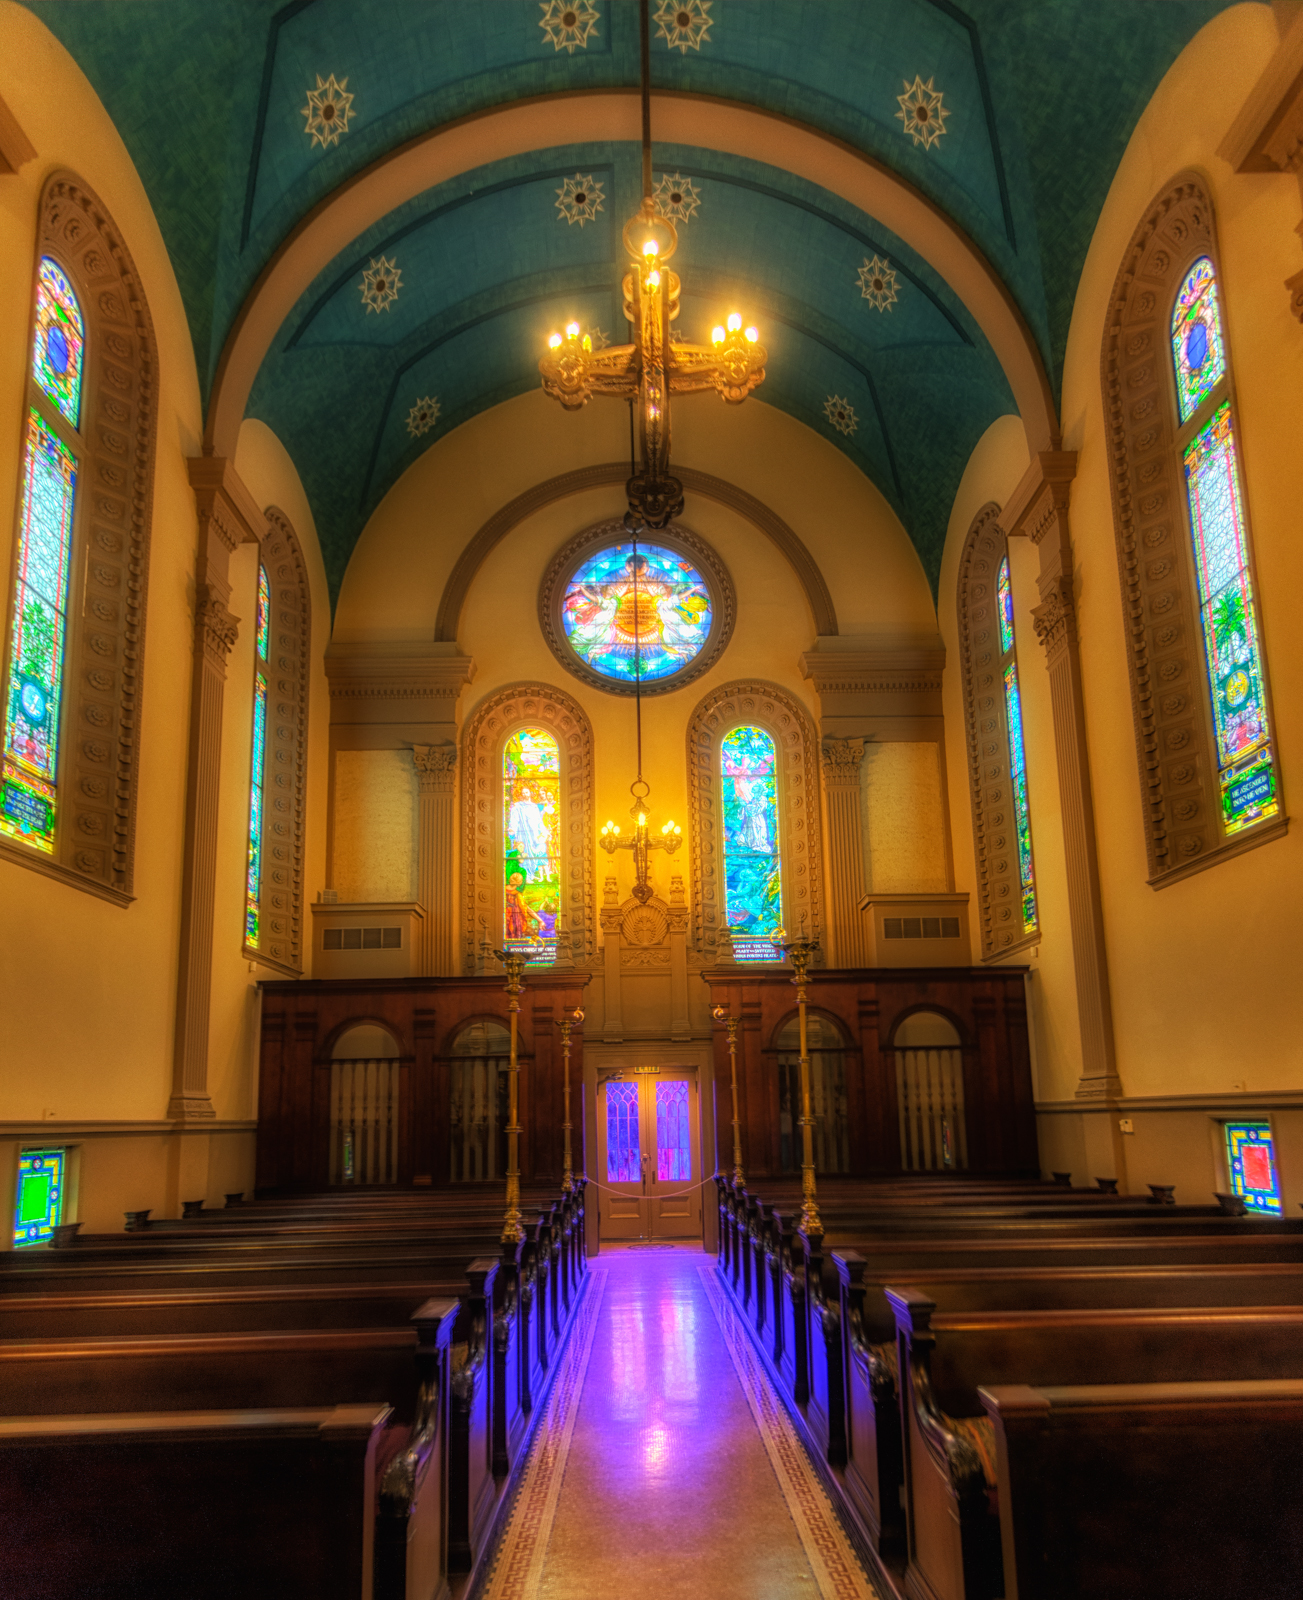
(730, 706)
(519, 706)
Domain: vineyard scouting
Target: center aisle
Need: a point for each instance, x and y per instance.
(665, 1466)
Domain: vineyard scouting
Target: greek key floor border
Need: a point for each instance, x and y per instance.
(518, 1566)
(833, 1561)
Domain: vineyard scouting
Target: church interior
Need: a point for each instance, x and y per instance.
(649, 923)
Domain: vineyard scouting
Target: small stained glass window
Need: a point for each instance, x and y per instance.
(673, 1138)
(753, 888)
(1251, 1161)
(1021, 808)
(39, 625)
(623, 1152)
(263, 635)
(636, 614)
(1198, 348)
(38, 1204)
(60, 341)
(258, 760)
(1004, 604)
(1230, 629)
(531, 844)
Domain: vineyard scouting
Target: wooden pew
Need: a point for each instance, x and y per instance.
(950, 1471)
(1138, 1490)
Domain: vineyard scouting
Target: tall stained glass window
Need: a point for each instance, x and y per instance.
(753, 886)
(1251, 1162)
(1227, 612)
(1022, 817)
(531, 844)
(258, 766)
(38, 618)
(38, 1204)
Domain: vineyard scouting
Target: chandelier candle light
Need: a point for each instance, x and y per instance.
(513, 964)
(575, 1019)
(732, 1023)
(801, 951)
(648, 371)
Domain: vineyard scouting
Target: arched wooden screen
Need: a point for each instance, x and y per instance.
(1208, 770)
(75, 615)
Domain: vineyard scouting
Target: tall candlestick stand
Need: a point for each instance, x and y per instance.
(800, 952)
(513, 962)
(732, 1023)
(576, 1017)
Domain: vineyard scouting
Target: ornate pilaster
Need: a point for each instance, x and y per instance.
(844, 836)
(435, 766)
(227, 517)
(611, 922)
(1039, 509)
(680, 1023)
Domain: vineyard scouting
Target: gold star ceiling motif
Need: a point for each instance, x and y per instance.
(568, 24)
(676, 197)
(684, 24)
(878, 283)
(841, 413)
(922, 112)
(380, 284)
(328, 110)
(579, 199)
(423, 416)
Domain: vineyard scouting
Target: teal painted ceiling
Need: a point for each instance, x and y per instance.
(1038, 99)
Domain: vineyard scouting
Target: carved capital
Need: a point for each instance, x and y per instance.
(216, 629)
(1055, 618)
(434, 765)
(841, 762)
(1295, 287)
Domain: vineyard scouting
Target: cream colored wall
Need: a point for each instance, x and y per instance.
(1203, 973)
(373, 837)
(393, 586)
(904, 821)
(90, 1065)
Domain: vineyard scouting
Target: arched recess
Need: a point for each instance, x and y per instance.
(108, 571)
(500, 524)
(481, 815)
(707, 123)
(986, 734)
(1176, 747)
(786, 721)
(286, 761)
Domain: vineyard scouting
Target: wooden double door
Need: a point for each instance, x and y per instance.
(649, 1155)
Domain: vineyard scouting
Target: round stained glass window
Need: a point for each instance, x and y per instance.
(620, 613)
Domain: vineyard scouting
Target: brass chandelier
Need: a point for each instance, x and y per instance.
(651, 369)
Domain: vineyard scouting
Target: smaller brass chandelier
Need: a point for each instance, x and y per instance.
(651, 369)
(640, 841)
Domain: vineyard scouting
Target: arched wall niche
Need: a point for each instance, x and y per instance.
(109, 566)
(986, 733)
(487, 731)
(765, 705)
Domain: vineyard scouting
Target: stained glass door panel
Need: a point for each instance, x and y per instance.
(621, 1163)
(673, 1187)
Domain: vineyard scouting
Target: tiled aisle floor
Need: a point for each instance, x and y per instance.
(665, 1466)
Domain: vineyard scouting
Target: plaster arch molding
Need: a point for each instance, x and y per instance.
(789, 724)
(680, 118)
(486, 733)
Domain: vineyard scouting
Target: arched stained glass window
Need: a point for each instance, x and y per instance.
(39, 616)
(753, 884)
(1227, 613)
(531, 844)
(258, 767)
(1022, 819)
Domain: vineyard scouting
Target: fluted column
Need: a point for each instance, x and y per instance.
(227, 517)
(1039, 508)
(435, 869)
(844, 833)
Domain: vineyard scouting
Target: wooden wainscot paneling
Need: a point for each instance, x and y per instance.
(301, 1023)
(986, 1007)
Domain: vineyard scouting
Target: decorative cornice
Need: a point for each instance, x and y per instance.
(913, 669)
(16, 149)
(396, 673)
(1042, 492)
(1267, 135)
(224, 502)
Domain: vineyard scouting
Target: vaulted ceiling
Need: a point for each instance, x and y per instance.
(237, 116)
